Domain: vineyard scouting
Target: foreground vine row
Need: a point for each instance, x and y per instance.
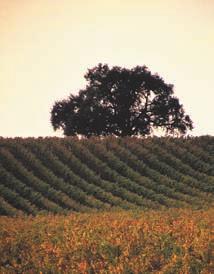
(169, 241)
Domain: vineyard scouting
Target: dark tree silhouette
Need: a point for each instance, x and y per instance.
(122, 102)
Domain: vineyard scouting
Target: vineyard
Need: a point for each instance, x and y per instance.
(171, 241)
(62, 175)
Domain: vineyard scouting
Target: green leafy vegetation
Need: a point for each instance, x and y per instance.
(61, 175)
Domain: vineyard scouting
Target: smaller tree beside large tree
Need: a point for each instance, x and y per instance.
(122, 102)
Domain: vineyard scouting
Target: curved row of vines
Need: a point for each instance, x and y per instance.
(61, 175)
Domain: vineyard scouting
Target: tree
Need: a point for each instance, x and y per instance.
(122, 102)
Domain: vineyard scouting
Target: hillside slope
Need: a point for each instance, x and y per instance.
(67, 174)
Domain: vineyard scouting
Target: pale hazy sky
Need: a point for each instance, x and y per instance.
(46, 46)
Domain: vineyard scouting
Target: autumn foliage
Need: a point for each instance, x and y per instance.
(168, 241)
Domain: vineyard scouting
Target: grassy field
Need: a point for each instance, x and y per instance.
(62, 175)
(168, 241)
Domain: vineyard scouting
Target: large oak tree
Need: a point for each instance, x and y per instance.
(122, 102)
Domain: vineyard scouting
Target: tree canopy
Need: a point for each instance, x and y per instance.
(121, 102)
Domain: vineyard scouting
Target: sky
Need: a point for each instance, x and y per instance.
(46, 47)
